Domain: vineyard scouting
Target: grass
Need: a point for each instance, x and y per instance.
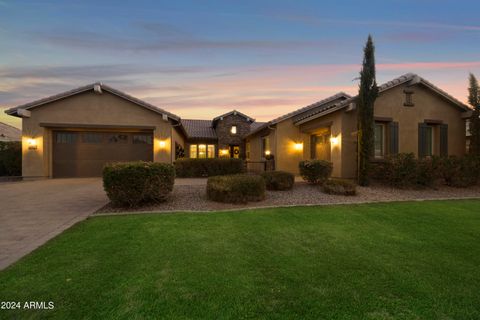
(417, 260)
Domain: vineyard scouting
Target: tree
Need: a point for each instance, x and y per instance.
(368, 92)
(474, 100)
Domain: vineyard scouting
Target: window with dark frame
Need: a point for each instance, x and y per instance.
(118, 138)
(92, 137)
(66, 137)
(142, 139)
(379, 140)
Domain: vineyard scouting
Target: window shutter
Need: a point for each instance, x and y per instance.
(444, 140)
(422, 140)
(393, 128)
(313, 145)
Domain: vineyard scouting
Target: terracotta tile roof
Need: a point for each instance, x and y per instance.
(37, 103)
(199, 128)
(9, 133)
(254, 126)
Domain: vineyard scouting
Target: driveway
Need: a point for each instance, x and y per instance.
(33, 212)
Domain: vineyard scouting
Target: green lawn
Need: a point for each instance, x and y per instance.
(418, 260)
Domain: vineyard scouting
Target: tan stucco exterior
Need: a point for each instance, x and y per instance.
(90, 109)
(429, 106)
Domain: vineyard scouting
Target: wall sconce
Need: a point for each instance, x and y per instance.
(298, 146)
(162, 144)
(267, 153)
(334, 140)
(32, 144)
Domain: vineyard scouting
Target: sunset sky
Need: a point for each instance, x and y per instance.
(199, 59)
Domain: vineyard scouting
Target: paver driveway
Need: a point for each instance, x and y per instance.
(32, 212)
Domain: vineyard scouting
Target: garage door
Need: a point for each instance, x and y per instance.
(83, 154)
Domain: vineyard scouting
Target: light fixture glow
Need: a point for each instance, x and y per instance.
(162, 144)
(267, 153)
(298, 146)
(233, 130)
(32, 144)
(334, 140)
(224, 152)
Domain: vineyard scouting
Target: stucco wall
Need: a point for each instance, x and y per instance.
(427, 105)
(90, 109)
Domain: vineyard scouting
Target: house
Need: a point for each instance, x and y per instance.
(411, 115)
(74, 133)
(9, 133)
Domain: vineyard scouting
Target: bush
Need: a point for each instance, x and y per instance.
(460, 172)
(195, 168)
(10, 158)
(340, 187)
(240, 188)
(130, 184)
(315, 171)
(278, 180)
(428, 171)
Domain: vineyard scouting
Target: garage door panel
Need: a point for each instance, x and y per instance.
(84, 154)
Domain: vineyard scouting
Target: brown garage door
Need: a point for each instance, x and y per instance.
(84, 153)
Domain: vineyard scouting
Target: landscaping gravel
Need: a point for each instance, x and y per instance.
(186, 197)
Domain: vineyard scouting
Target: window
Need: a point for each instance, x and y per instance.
(247, 150)
(92, 137)
(233, 130)
(211, 151)
(202, 151)
(266, 146)
(118, 138)
(428, 141)
(379, 140)
(66, 137)
(142, 139)
(193, 151)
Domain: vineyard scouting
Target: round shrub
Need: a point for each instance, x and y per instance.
(340, 187)
(239, 188)
(130, 184)
(460, 172)
(278, 180)
(315, 171)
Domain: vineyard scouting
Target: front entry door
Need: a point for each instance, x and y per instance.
(234, 151)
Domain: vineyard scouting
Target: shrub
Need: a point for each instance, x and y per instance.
(130, 184)
(340, 187)
(195, 168)
(315, 171)
(402, 170)
(240, 188)
(10, 158)
(278, 180)
(428, 171)
(460, 172)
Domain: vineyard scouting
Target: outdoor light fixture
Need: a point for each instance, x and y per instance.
(334, 140)
(298, 146)
(267, 153)
(224, 152)
(162, 144)
(233, 130)
(32, 144)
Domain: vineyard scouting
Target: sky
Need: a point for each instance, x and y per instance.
(199, 59)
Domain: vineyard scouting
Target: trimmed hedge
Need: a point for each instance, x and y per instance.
(404, 171)
(239, 188)
(10, 158)
(315, 171)
(460, 172)
(130, 184)
(196, 168)
(278, 180)
(340, 187)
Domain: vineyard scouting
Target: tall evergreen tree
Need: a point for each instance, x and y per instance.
(368, 92)
(474, 100)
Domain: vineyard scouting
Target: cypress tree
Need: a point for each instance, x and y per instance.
(368, 92)
(474, 100)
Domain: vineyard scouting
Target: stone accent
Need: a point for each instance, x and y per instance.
(226, 138)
